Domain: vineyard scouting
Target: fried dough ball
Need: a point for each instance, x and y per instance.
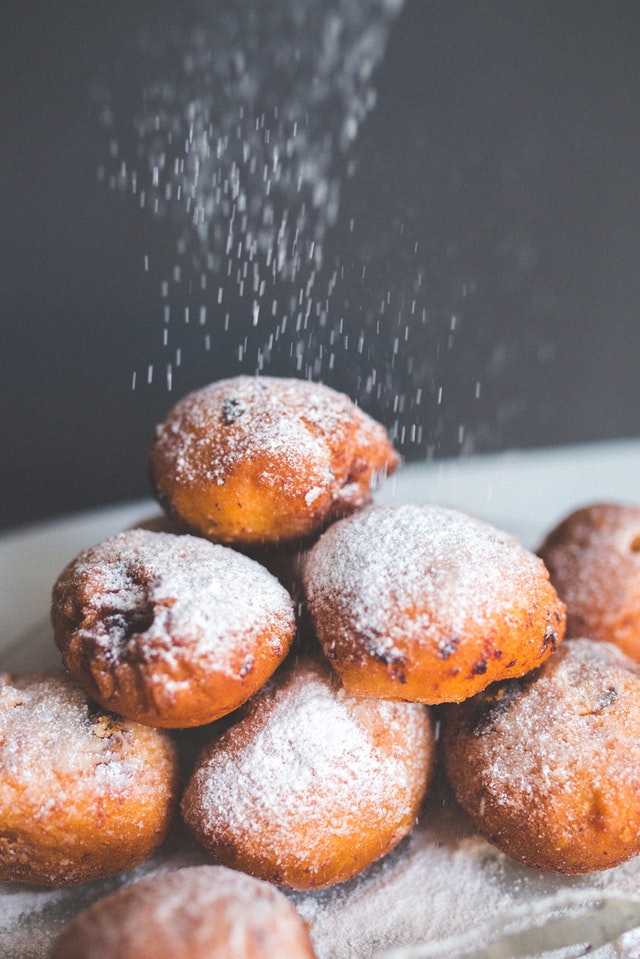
(548, 767)
(83, 793)
(312, 784)
(425, 604)
(593, 557)
(200, 912)
(169, 630)
(252, 460)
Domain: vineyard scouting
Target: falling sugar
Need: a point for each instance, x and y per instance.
(245, 119)
(244, 145)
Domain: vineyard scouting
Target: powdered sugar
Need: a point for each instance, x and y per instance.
(244, 121)
(289, 426)
(82, 793)
(158, 593)
(577, 724)
(433, 563)
(52, 740)
(593, 557)
(305, 756)
(202, 910)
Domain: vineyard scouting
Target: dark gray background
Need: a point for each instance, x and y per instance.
(505, 140)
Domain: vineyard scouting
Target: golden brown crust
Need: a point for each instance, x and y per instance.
(251, 460)
(170, 630)
(426, 604)
(201, 912)
(593, 557)
(83, 794)
(548, 767)
(312, 784)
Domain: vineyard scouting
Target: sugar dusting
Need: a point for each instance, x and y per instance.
(275, 433)
(175, 593)
(188, 910)
(244, 135)
(54, 747)
(439, 562)
(291, 427)
(590, 692)
(304, 756)
(241, 142)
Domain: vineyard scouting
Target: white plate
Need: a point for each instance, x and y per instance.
(442, 881)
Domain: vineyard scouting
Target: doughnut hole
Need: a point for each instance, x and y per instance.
(83, 793)
(593, 557)
(548, 766)
(252, 460)
(170, 630)
(427, 604)
(200, 912)
(312, 784)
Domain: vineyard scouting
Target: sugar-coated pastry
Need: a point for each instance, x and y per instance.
(261, 459)
(593, 557)
(200, 912)
(170, 630)
(427, 604)
(548, 766)
(83, 794)
(312, 784)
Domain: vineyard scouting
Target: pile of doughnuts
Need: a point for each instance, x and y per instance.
(314, 643)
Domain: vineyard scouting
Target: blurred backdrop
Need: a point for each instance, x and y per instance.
(433, 206)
